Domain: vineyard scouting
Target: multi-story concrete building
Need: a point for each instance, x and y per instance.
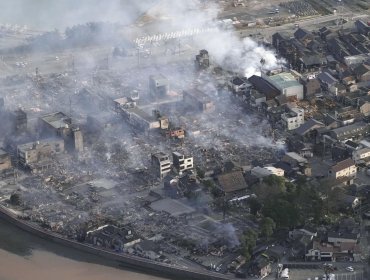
(137, 117)
(293, 119)
(161, 163)
(60, 125)
(181, 162)
(287, 84)
(39, 152)
(158, 86)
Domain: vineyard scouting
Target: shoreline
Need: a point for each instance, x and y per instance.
(126, 260)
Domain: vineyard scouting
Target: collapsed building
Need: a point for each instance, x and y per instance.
(202, 60)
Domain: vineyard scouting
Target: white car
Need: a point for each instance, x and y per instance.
(350, 268)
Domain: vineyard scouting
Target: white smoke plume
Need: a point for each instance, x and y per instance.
(225, 46)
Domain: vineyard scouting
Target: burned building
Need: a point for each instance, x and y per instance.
(135, 116)
(60, 125)
(158, 86)
(181, 162)
(161, 164)
(5, 161)
(202, 60)
(176, 133)
(20, 120)
(112, 237)
(198, 100)
(36, 154)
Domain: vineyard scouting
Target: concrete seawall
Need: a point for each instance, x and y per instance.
(128, 260)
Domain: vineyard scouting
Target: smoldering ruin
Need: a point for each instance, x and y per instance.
(111, 140)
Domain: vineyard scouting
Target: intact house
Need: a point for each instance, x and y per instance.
(232, 183)
(352, 131)
(327, 80)
(328, 251)
(362, 72)
(361, 155)
(345, 168)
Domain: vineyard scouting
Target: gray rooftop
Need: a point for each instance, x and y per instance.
(284, 80)
(57, 120)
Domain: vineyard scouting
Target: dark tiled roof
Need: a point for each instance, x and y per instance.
(308, 126)
(326, 78)
(362, 69)
(309, 60)
(232, 181)
(342, 165)
(264, 87)
(301, 33)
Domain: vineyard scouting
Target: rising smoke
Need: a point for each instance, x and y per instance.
(224, 44)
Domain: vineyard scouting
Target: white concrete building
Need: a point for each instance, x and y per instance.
(293, 119)
(287, 84)
(361, 155)
(181, 162)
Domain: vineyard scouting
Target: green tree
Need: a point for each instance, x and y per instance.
(284, 213)
(275, 181)
(254, 205)
(267, 227)
(248, 243)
